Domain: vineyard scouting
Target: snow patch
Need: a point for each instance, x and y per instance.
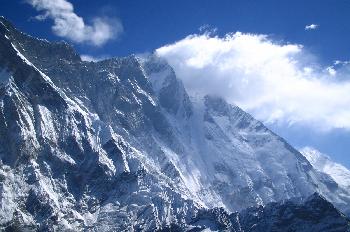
(48, 130)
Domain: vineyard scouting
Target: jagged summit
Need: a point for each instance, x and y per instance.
(33, 47)
(119, 145)
(4, 22)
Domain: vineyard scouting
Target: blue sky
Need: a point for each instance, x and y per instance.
(151, 24)
(144, 26)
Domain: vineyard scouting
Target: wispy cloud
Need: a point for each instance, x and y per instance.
(311, 27)
(277, 83)
(207, 29)
(68, 24)
(90, 58)
(331, 70)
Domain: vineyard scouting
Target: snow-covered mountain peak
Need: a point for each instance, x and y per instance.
(323, 163)
(32, 47)
(315, 157)
(4, 23)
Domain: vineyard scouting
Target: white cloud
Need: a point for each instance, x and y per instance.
(331, 71)
(69, 25)
(311, 27)
(90, 58)
(277, 83)
(207, 29)
(341, 63)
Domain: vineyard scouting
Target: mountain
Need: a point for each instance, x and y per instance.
(313, 214)
(119, 145)
(324, 164)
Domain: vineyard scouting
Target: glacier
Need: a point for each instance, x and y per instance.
(119, 145)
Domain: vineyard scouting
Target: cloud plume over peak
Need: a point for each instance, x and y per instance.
(275, 82)
(68, 24)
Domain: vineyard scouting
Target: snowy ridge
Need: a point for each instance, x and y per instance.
(336, 172)
(324, 164)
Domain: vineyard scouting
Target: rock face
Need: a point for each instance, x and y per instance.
(118, 145)
(313, 214)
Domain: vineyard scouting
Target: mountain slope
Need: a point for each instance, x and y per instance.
(323, 164)
(236, 159)
(65, 169)
(313, 214)
(119, 145)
